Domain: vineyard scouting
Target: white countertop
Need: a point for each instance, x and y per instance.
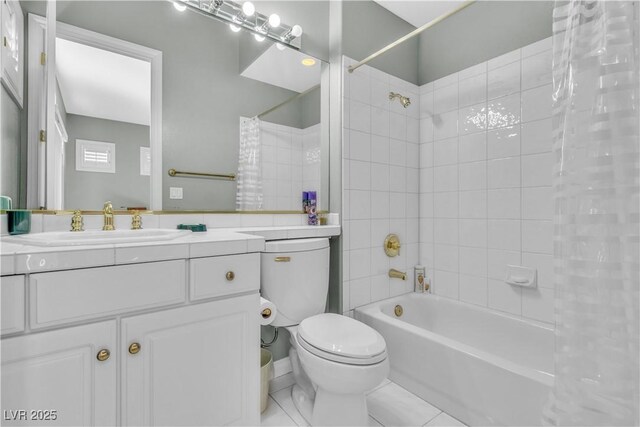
(20, 259)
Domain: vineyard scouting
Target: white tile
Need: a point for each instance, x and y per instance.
(503, 142)
(359, 116)
(537, 236)
(472, 118)
(379, 93)
(413, 180)
(445, 125)
(445, 178)
(504, 297)
(413, 155)
(537, 170)
(359, 204)
(445, 284)
(359, 146)
(504, 203)
(498, 261)
(346, 292)
(426, 205)
(472, 147)
(445, 205)
(413, 130)
(505, 59)
(360, 175)
(360, 87)
(503, 173)
(473, 233)
(398, 205)
(379, 122)
(446, 231)
(504, 234)
(473, 261)
(392, 405)
(473, 204)
(472, 90)
(537, 203)
(379, 260)
(426, 104)
(283, 398)
(380, 149)
(379, 204)
(473, 290)
(379, 177)
(472, 176)
(360, 234)
(445, 152)
(413, 205)
(360, 291)
(274, 415)
(426, 129)
(505, 111)
(446, 258)
(444, 420)
(398, 178)
(537, 137)
(537, 47)
(544, 265)
(398, 126)
(536, 103)
(536, 70)
(426, 155)
(445, 99)
(538, 304)
(397, 152)
(446, 81)
(379, 287)
(472, 71)
(504, 80)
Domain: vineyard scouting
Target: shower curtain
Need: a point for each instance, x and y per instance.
(596, 188)
(249, 178)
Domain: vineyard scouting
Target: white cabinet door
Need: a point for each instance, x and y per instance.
(196, 365)
(58, 373)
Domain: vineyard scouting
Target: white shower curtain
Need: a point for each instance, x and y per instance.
(596, 187)
(249, 178)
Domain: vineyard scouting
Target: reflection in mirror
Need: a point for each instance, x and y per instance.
(256, 112)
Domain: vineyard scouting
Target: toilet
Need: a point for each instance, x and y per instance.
(335, 359)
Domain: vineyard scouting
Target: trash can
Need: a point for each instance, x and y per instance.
(266, 373)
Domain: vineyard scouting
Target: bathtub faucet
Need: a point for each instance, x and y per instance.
(393, 273)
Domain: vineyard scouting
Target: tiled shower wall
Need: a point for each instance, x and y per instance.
(380, 182)
(485, 181)
(290, 164)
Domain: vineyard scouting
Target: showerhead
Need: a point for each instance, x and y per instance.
(404, 100)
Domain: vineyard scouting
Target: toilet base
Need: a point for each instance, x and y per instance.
(331, 409)
(302, 402)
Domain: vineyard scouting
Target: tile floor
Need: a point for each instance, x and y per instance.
(389, 405)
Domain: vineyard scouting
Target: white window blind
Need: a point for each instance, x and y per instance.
(95, 156)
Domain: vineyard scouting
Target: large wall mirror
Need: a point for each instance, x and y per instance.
(160, 107)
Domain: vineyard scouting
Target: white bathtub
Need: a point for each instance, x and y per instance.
(482, 367)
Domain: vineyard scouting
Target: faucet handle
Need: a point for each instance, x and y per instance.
(136, 220)
(76, 221)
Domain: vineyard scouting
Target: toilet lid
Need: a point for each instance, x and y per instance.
(342, 336)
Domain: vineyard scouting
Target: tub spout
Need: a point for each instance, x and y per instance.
(396, 274)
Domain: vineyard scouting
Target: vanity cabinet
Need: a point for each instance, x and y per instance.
(56, 378)
(133, 345)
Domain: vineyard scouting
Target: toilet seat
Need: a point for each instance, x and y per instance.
(341, 339)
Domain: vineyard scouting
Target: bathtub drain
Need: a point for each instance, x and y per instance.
(398, 310)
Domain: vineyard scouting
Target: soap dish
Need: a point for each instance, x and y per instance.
(518, 275)
(193, 227)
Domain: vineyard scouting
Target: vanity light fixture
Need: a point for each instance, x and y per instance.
(308, 62)
(244, 15)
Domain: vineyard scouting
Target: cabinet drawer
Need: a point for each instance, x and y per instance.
(209, 276)
(74, 295)
(12, 310)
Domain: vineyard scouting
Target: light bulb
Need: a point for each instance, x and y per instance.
(179, 6)
(274, 20)
(280, 46)
(296, 31)
(234, 28)
(258, 37)
(248, 8)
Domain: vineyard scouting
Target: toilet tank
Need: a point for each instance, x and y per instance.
(294, 275)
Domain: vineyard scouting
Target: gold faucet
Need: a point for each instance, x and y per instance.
(107, 214)
(393, 273)
(76, 221)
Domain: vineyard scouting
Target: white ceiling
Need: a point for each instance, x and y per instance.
(283, 68)
(98, 83)
(418, 13)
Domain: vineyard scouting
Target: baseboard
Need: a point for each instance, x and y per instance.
(281, 367)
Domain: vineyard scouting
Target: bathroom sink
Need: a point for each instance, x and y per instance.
(96, 237)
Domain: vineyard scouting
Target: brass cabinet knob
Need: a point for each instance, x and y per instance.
(103, 355)
(134, 348)
(230, 275)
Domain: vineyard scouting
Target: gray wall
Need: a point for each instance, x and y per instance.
(480, 32)
(10, 149)
(368, 27)
(126, 187)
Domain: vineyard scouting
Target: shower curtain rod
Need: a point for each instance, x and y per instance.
(293, 98)
(410, 35)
